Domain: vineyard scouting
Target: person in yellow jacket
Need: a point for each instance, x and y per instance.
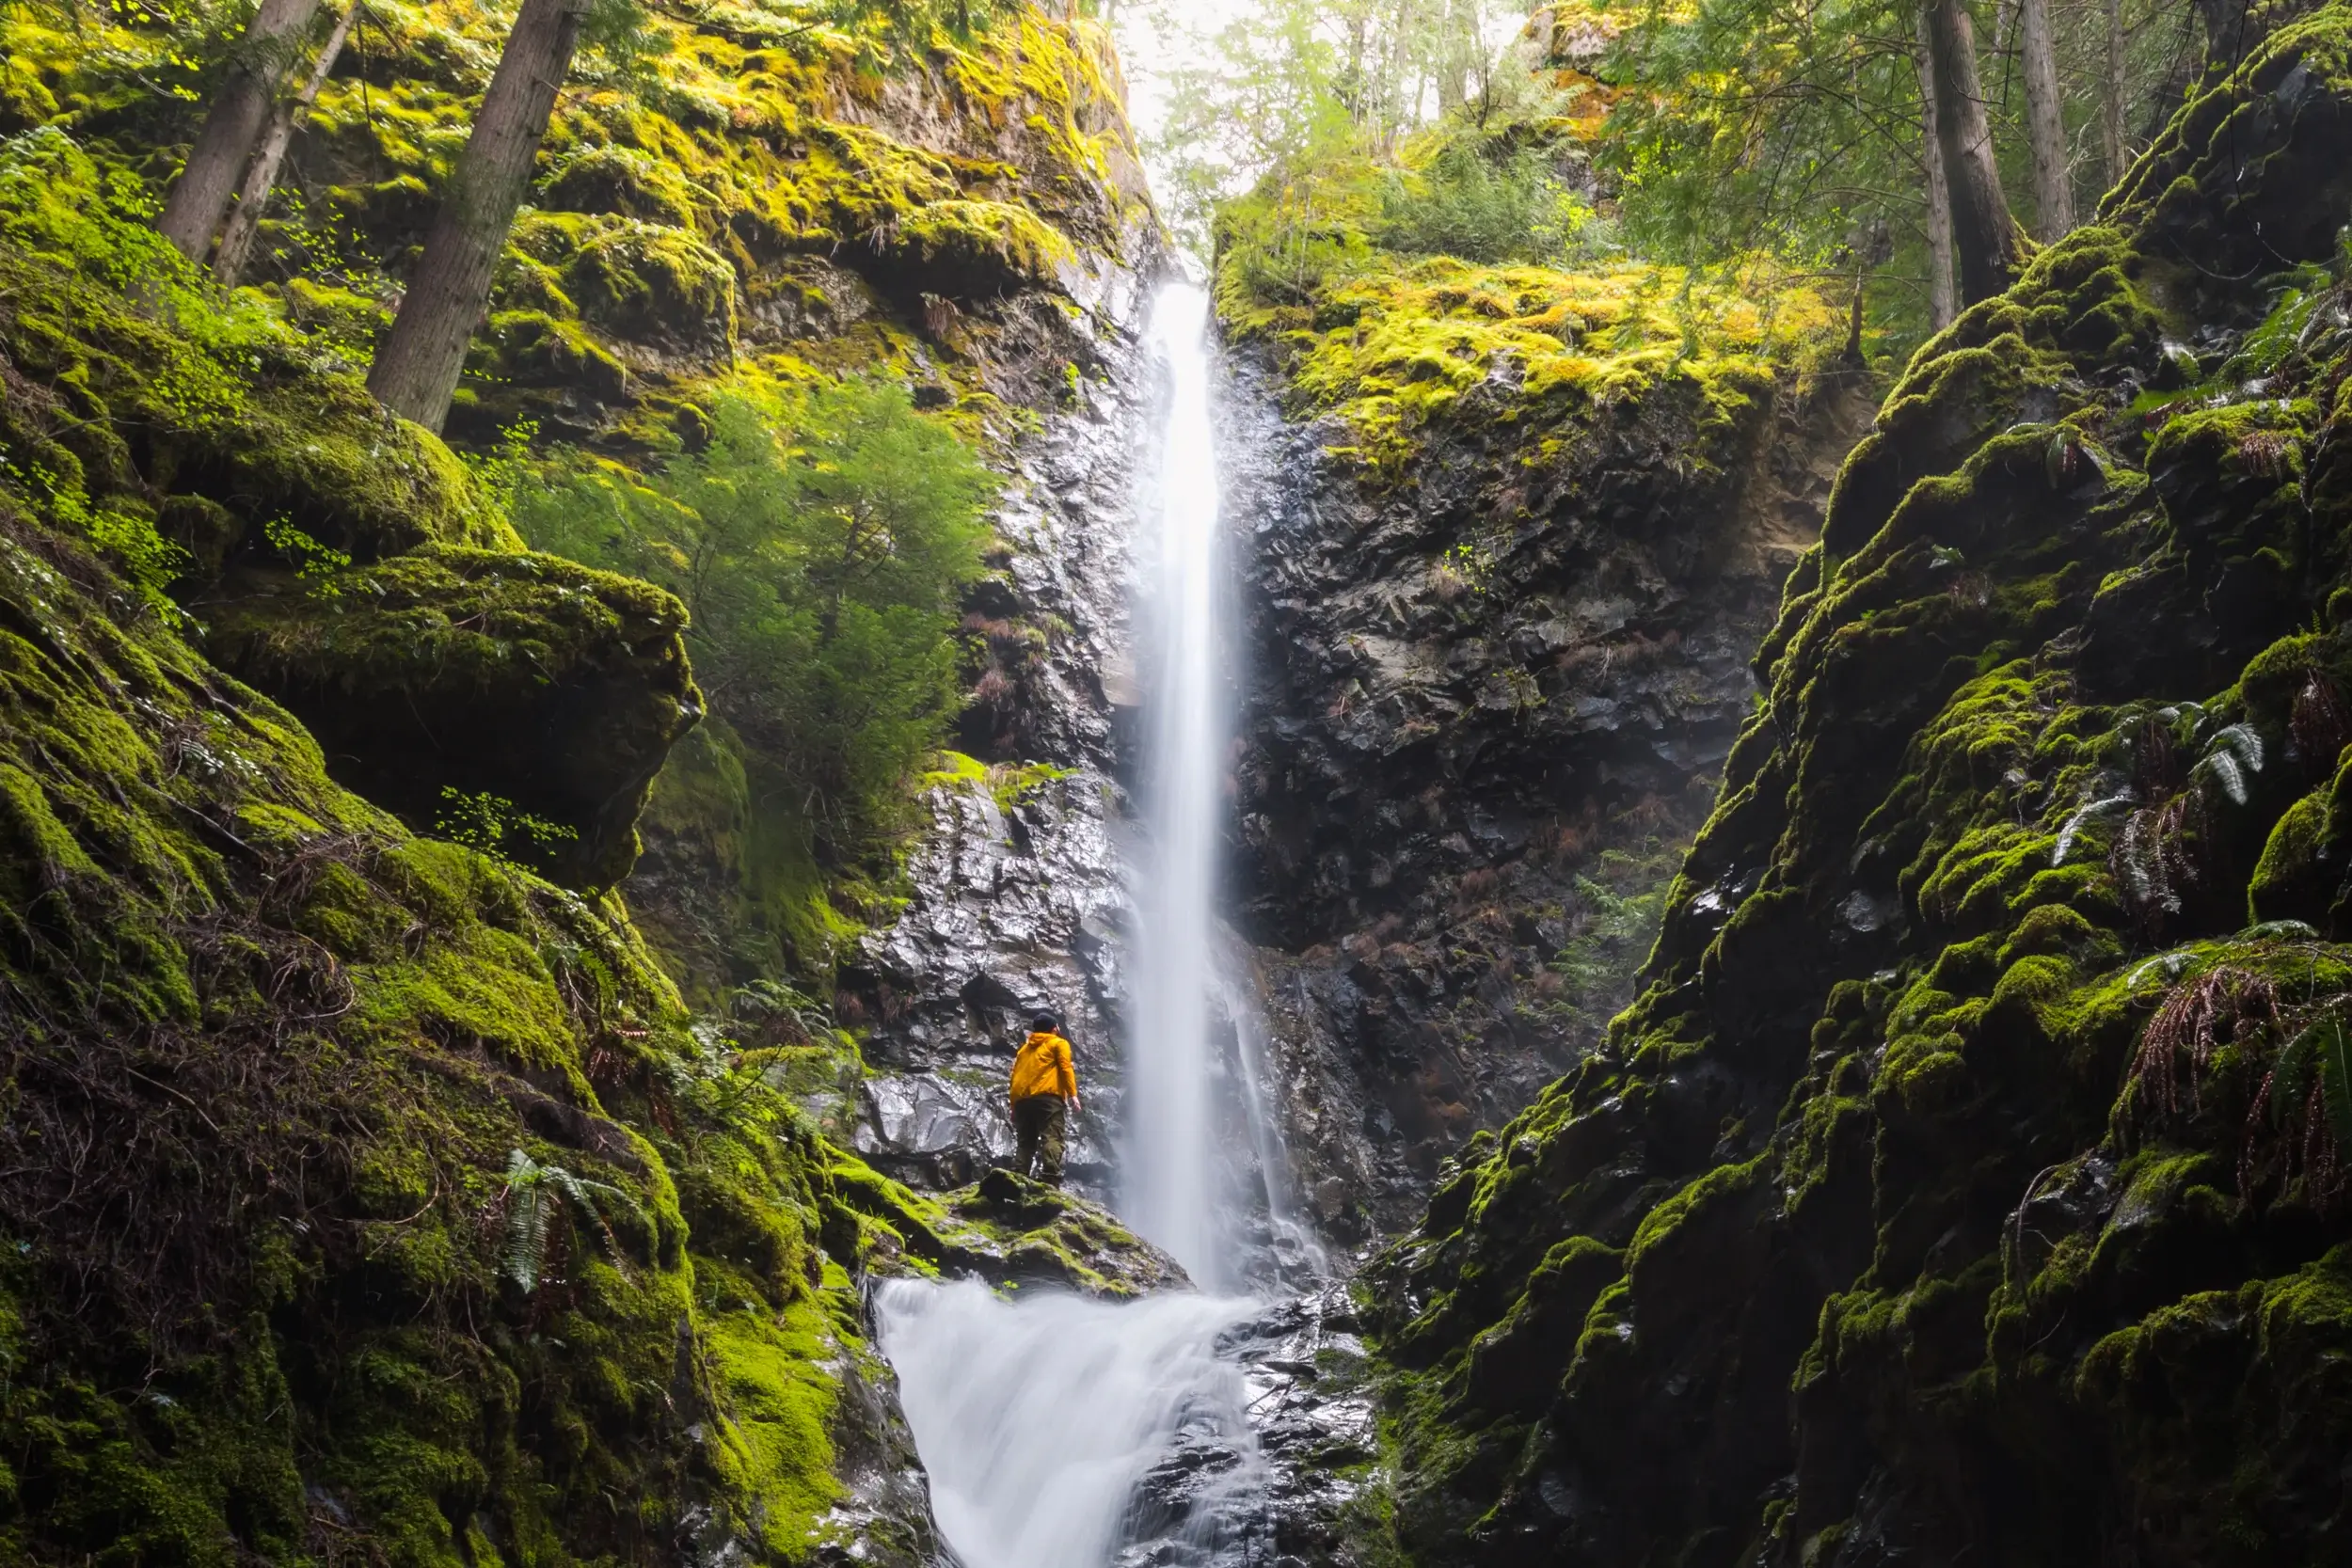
(1044, 1095)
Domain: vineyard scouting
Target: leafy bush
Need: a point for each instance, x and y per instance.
(821, 541)
(1487, 201)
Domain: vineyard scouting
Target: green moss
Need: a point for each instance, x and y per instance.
(289, 1310)
(1900, 1165)
(1391, 353)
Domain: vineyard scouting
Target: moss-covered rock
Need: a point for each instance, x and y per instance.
(685, 179)
(363, 1197)
(1006, 1229)
(1944, 1194)
(450, 672)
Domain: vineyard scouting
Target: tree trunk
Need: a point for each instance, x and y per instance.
(1985, 235)
(2046, 122)
(1942, 304)
(1457, 54)
(199, 198)
(2111, 99)
(245, 219)
(1357, 72)
(2230, 31)
(415, 371)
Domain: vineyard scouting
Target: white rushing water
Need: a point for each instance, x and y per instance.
(1169, 1177)
(1039, 1419)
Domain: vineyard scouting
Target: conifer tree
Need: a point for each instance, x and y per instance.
(245, 219)
(1943, 303)
(1984, 234)
(233, 124)
(415, 371)
(2045, 121)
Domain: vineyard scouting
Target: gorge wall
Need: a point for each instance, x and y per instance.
(367, 1196)
(1497, 653)
(1964, 1185)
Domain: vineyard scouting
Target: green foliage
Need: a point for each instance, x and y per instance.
(148, 561)
(494, 826)
(315, 564)
(1796, 128)
(1489, 200)
(1617, 919)
(821, 541)
(533, 1201)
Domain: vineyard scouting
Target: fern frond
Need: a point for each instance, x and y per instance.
(2083, 814)
(2244, 742)
(2298, 1064)
(525, 1252)
(2335, 1076)
(524, 1256)
(2224, 768)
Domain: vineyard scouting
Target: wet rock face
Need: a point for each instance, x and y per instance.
(1470, 687)
(1932, 1205)
(1017, 902)
(1276, 1495)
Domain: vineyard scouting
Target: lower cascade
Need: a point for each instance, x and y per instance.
(1060, 1432)
(1041, 1420)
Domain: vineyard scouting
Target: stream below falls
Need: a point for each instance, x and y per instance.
(1065, 1433)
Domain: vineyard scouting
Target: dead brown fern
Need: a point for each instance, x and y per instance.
(2321, 723)
(2153, 865)
(2266, 453)
(2197, 1018)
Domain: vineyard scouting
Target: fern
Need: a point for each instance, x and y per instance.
(2226, 773)
(2231, 756)
(2334, 1050)
(531, 1199)
(525, 1252)
(2083, 814)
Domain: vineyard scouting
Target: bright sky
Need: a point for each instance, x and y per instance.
(1146, 48)
(1143, 47)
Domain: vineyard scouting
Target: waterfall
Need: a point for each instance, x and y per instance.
(1170, 1181)
(1039, 1419)
(1063, 1432)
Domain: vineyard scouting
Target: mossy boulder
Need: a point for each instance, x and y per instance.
(1006, 1229)
(451, 672)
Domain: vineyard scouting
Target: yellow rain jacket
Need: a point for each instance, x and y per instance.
(1042, 1066)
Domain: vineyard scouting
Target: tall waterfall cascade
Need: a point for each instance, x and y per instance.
(1169, 1183)
(1040, 1419)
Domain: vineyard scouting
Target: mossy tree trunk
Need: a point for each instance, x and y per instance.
(245, 219)
(199, 198)
(1942, 305)
(2111, 136)
(416, 372)
(1985, 235)
(2045, 121)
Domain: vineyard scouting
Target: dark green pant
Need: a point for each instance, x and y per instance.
(1041, 1122)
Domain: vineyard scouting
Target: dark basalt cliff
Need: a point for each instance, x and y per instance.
(1489, 698)
(1965, 1186)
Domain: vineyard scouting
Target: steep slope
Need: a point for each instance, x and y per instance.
(1967, 1184)
(730, 200)
(365, 1196)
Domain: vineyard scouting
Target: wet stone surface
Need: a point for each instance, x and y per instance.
(1274, 1494)
(1017, 895)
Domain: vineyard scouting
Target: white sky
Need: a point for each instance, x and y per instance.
(1144, 49)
